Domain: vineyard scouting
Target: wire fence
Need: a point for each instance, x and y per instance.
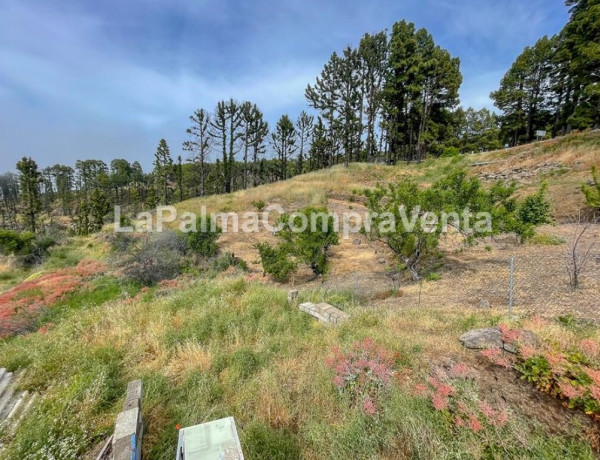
(537, 284)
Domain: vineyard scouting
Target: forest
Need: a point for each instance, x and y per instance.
(394, 97)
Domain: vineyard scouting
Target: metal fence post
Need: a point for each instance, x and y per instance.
(511, 285)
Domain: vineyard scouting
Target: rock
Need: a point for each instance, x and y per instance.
(491, 337)
(479, 339)
(292, 295)
(484, 303)
(324, 312)
(525, 338)
(381, 261)
(357, 242)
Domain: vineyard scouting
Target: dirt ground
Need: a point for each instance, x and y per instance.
(469, 277)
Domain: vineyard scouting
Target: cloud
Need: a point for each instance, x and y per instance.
(107, 79)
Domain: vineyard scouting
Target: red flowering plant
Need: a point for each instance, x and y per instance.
(572, 375)
(21, 305)
(450, 394)
(363, 372)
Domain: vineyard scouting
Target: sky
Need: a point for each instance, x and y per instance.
(108, 79)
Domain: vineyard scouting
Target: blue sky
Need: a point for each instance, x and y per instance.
(107, 79)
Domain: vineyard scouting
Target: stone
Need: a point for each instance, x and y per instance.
(357, 242)
(134, 395)
(127, 438)
(324, 312)
(381, 260)
(525, 338)
(292, 295)
(479, 339)
(491, 337)
(484, 304)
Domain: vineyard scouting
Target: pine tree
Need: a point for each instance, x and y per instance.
(225, 129)
(163, 169)
(179, 177)
(99, 206)
(283, 141)
(581, 36)
(373, 54)
(259, 130)
(199, 144)
(525, 90)
(304, 128)
(29, 179)
(9, 189)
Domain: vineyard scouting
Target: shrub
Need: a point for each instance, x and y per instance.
(532, 212)
(363, 373)
(450, 152)
(275, 261)
(311, 245)
(203, 241)
(28, 248)
(592, 192)
(155, 259)
(228, 260)
(259, 205)
(121, 242)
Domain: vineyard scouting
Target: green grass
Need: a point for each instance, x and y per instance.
(547, 239)
(220, 348)
(99, 291)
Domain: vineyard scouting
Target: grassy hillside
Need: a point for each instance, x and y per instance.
(237, 348)
(208, 346)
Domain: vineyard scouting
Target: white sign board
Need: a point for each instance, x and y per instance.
(540, 133)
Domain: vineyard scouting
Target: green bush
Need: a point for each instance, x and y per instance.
(26, 246)
(203, 241)
(259, 205)
(276, 261)
(532, 212)
(450, 152)
(311, 245)
(592, 192)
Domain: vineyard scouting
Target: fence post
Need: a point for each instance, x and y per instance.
(511, 285)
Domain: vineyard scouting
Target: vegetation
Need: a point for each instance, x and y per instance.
(592, 192)
(409, 219)
(306, 236)
(276, 261)
(203, 241)
(236, 348)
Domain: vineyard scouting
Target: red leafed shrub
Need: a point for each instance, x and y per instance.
(572, 375)
(21, 305)
(445, 396)
(363, 372)
(496, 356)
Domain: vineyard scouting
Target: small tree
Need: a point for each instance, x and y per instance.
(533, 212)
(579, 253)
(400, 213)
(307, 236)
(276, 261)
(203, 241)
(310, 244)
(409, 242)
(592, 192)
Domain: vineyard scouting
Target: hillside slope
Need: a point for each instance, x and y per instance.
(233, 345)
